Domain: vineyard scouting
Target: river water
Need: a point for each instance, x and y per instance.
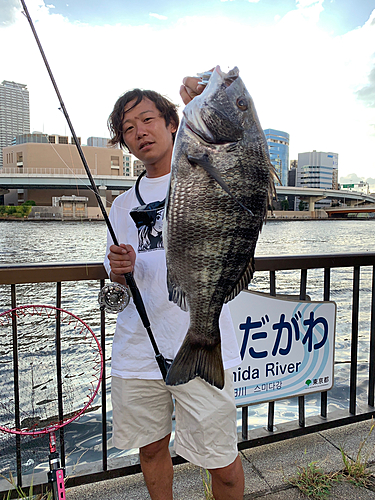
(35, 242)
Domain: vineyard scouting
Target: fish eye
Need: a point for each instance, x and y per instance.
(242, 103)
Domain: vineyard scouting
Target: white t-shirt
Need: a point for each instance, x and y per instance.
(132, 352)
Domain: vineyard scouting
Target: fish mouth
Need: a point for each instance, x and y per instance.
(229, 77)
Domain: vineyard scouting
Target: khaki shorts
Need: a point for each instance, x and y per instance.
(206, 426)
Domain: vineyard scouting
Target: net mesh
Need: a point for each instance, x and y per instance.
(36, 386)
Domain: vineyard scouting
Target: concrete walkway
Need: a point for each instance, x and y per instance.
(267, 470)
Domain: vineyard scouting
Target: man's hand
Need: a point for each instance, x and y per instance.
(122, 260)
(190, 88)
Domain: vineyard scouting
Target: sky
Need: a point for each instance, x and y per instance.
(308, 64)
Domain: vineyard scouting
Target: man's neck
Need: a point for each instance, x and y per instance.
(153, 171)
(159, 168)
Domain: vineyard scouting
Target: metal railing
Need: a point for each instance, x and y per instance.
(14, 275)
(50, 171)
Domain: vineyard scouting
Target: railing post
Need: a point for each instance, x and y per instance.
(17, 418)
(326, 295)
(271, 404)
(301, 399)
(104, 388)
(354, 346)
(58, 373)
(245, 419)
(372, 345)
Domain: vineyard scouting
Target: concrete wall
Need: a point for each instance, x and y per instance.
(297, 214)
(61, 159)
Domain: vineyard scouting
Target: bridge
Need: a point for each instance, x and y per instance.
(311, 195)
(344, 212)
(56, 180)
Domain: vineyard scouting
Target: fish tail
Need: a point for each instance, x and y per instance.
(194, 360)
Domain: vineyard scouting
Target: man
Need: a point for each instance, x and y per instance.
(205, 434)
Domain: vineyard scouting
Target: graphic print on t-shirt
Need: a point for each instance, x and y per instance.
(150, 234)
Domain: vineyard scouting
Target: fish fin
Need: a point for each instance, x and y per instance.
(242, 283)
(273, 178)
(205, 163)
(196, 361)
(176, 295)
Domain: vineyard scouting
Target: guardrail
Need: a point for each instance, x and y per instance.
(14, 275)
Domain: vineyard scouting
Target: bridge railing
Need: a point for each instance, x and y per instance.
(273, 269)
(57, 171)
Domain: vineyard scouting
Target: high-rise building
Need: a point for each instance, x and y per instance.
(292, 174)
(278, 145)
(317, 169)
(14, 113)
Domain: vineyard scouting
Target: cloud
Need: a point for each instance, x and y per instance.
(367, 93)
(158, 16)
(351, 179)
(8, 12)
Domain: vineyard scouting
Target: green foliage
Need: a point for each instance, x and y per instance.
(30, 203)
(355, 469)
(19, 212)
(313, 482)
(207, 485)
(22, 494)
(285, 204)
(301, 206)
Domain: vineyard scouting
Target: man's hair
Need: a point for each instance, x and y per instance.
(167, 109)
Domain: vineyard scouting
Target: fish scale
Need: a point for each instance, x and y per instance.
(221, 184)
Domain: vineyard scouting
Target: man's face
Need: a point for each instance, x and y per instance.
(146, 134)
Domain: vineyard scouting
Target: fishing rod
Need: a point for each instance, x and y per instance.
(114, 296)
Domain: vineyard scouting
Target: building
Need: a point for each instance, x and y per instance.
(278, 145)
(14, 113)
(98, 142)
(317, 169)
(138, 167)
(36, 137)
(128, 165)
(292, 173)
(361, 187)
(60, 160)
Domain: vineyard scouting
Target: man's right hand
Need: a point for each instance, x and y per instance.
(190, 88)
(122, 260)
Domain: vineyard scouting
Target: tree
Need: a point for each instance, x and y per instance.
(302, 206)
(285, 204)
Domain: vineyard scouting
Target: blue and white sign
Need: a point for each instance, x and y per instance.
(286, 347)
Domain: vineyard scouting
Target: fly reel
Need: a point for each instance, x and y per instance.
(114, 297)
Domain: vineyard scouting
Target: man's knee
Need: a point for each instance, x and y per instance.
(229, 475)
(153, 450)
